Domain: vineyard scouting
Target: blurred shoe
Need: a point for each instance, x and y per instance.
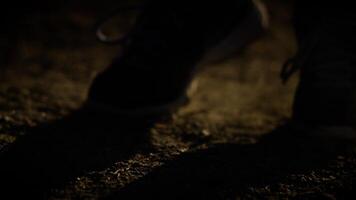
(162, 52)
(325, 101)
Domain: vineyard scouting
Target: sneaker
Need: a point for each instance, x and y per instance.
(325, 101)
(163, 50)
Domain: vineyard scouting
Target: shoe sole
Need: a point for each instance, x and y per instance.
(146, 112)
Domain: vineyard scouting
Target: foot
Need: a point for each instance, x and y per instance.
(156, 69)
(325, 101)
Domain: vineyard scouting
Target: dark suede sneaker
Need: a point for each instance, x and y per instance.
(325, 101)
(161, 54)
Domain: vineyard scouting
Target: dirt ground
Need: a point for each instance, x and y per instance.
(208, 150)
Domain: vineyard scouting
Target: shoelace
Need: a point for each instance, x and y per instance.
(292, 65)
(102, 37)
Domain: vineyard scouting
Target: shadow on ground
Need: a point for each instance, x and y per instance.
(55, 153)
(229, 171)
(52, 154)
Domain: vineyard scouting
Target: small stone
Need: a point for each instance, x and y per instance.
(206, 132)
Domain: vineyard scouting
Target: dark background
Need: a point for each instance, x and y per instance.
(49, 58)
(40, 20)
